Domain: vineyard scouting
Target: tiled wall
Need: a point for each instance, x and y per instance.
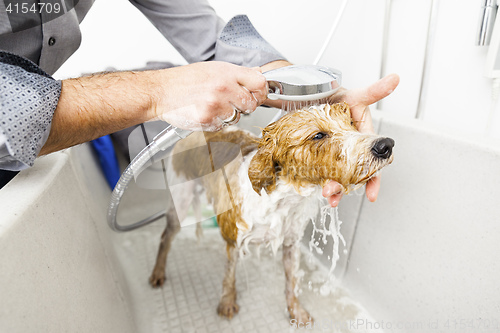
(454, 93)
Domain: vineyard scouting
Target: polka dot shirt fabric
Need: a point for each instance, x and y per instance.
(28, 98)
(240, 32)
(241, 44)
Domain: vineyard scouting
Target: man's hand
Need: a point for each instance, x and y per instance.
(359, 100)
(202, 95)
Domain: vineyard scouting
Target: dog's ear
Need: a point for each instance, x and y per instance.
(262, 169)
(341, 108)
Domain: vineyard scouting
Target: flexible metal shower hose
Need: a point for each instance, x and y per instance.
(167, 138)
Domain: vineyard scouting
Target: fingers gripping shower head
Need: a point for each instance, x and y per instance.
(302, 82)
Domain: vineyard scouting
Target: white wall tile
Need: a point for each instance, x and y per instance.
(356, 47)
(405, 53)
(457, 94)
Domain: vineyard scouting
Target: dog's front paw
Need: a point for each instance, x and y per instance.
(227, 308)
(157, 278)
(300, 315)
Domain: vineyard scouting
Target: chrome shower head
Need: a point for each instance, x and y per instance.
(302, 82)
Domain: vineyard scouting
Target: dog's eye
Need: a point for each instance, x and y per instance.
(352, 123)
(319, 136)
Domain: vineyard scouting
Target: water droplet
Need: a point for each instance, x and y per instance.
(324, 290)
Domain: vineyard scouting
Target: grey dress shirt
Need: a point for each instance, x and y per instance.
(48, 39)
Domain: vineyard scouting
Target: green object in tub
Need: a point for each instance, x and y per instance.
(207, 213)
(210, 223)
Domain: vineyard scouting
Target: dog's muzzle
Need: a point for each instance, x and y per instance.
(382, 148)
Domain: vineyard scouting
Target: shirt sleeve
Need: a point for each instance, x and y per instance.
(195, 30)
(241, 44)
(28, 98)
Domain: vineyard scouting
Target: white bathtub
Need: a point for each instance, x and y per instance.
(420, 259)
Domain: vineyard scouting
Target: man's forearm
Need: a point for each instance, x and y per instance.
(93, 106)
(195, 96)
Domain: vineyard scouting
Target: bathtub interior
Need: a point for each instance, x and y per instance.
(422, 255)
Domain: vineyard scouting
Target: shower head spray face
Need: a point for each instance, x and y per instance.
(302, 82)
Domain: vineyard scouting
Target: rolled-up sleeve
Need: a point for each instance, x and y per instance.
(28, 98)
(195, 30)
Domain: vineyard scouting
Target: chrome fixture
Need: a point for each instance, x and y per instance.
(486, 22)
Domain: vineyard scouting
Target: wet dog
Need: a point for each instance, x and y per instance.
(269, 189)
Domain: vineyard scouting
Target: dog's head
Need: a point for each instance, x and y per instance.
(316, 145)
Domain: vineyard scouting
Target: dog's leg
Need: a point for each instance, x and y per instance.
(173, 227)
(197, 216)
(291, 260)
(227, 305)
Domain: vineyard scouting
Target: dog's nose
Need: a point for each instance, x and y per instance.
(383, 148)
